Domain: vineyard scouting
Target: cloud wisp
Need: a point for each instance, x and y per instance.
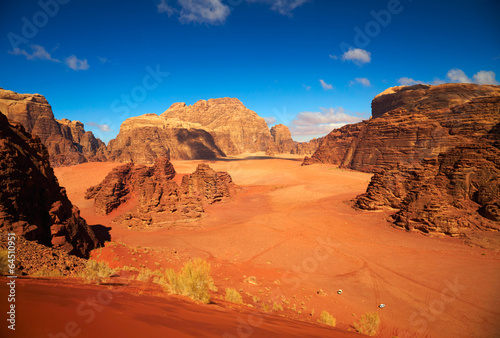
(326, 86)
(360, 80)
(320, 123)
(76, 64)
(38, 53)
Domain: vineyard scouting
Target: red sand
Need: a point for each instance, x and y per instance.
(291, 229)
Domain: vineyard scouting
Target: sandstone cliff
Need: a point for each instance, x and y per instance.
(66, 141)
(32, 203)
(430, 120)
(235, 128)
(156, 198)
(145, 138)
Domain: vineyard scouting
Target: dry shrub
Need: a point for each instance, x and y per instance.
(368, 324)
(193, 280)
(327, 319)
(233, 296)
(96, 272)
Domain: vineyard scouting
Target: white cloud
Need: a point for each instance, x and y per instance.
(360, 80)
(458, 75)
(74, 63)
(284, 7)
(357, 55)
(317, 123)
(485, 77)
(306, 87)
(408, 81)
(39, 53)
(270, 120)
(102, 127)
(325, 85)
(200, 11)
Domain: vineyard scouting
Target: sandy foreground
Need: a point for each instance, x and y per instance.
(291, 230)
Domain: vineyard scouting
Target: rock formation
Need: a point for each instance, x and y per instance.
(32, 204)
(156, 197)
(145, 138)
(435, 151)
(417, 130)
(235, 128)
(66, 141)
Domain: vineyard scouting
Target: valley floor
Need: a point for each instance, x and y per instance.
(290, 237)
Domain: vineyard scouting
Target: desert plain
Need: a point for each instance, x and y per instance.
(290, 237)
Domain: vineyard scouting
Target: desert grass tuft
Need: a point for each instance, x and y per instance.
(327, 319)
(233, 296)
(96, 272)
(368, 324)
(193, 280)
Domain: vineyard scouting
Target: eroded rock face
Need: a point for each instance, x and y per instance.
(66, 141)
(428, 122)
(145, 138)
(423, 98)
(156, 197)
(32, 204)
(235, 128)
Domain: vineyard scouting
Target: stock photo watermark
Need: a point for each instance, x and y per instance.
(31, 26)
(11, 276)
(366, 33)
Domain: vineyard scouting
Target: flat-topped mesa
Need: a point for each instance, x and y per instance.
(66, 141)
(143, 139)
(32, 204)
(422, 97)
(411, 123)
(235, 128)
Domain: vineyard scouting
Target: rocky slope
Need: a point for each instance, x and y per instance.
(66, 141)
(155, 197)
(235, 128)
(145, 138)
(32, 204)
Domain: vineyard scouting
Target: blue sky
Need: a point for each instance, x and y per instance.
(311, 65)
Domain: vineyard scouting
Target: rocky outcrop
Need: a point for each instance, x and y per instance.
(66, 141)
(284, 144)
(423, 98)
(157, 199)
(282, 138)
(145, 138)
(235, 128)
(32, 204)
(408, 134)
(93, 149)
(454, 194)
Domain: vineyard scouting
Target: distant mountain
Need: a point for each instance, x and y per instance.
(67, 141)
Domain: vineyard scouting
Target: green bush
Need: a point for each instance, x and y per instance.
(233, 296)
(368, 324)
(327, 319)
(97, 272)
(193, 280)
